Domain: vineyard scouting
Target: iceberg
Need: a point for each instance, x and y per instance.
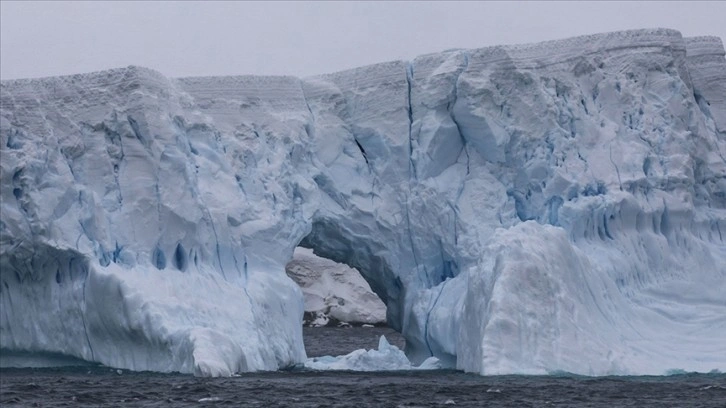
(537, 208)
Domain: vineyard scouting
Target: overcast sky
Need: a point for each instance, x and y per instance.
(302, 38)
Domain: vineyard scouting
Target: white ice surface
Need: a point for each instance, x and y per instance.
(523, 209)
(333, 290)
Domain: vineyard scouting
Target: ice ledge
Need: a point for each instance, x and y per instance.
(705, 45)
(100, 78)
(88, 88)
(544, 52)
(561, 51)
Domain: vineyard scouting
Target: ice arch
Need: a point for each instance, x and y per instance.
(330, 241)
(373, 259)
(555, 206)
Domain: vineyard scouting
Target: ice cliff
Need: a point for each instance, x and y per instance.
(558, 206)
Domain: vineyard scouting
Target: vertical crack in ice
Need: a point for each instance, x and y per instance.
(110, 136)
(428, 317)
(411, 242)
(362, 152)
(206, 213)
(158, 199)
(305, 99)
(450, 109)
(446, 266)
(80, 221)
(365, 156)
(244, 273)
(78, 239)
(409, 81)
(247, 275)
(146, 143)
(456, 222)
(412, 174)
(137, 132)
(83, 312)
(617, 171)
(216, 244)
(69, 163)
(253, 309)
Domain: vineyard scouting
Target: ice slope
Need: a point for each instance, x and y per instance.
(333, 292)
(558, 206)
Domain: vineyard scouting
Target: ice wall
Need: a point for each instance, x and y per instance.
(520, 209)
(138, 233)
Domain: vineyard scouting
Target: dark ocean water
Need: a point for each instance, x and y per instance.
(103, 387)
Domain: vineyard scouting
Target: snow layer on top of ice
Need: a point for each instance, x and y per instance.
(520, 209)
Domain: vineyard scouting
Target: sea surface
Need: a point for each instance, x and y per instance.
(98, 386)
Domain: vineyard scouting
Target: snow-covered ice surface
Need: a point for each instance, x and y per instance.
(386, 358)
(520, 209)
(333, 292)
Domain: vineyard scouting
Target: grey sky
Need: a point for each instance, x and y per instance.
(302, 38)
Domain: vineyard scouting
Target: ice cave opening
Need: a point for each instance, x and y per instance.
(343, 316)
(347, 302)
(342, 243)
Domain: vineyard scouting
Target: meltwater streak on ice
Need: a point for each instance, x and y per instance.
(522, 209)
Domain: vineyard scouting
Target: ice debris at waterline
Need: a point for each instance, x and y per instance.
(387, 358)
(519, 209)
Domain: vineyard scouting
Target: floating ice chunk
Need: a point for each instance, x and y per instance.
(210, 399)
(431, 363)
(387, 358)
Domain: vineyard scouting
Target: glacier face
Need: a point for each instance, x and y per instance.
(520, 209)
